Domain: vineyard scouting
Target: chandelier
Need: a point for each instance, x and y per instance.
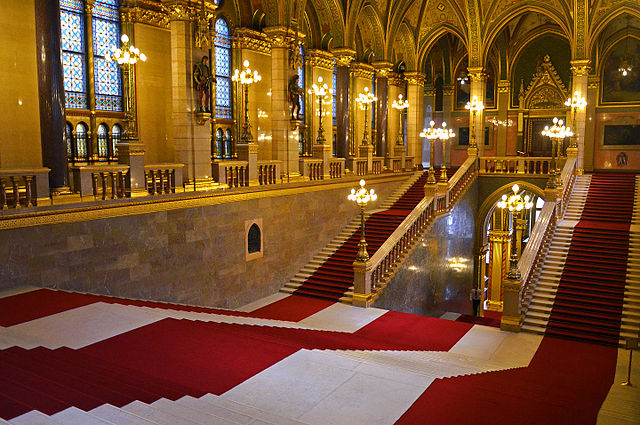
(128, 54)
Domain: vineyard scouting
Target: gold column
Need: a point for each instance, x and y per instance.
(520, 225)
(499, 238)
(478, 81)
(415, 96)
(580, 70)
(504, 91)
(593, 88)
(92, 143)
(448, 97)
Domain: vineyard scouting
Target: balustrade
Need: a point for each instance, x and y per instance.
(23, 187)
(268, 172)
(514, 165)
(376, 165)
(163, 178)
(336, 167)
(231, 173)
(361, 167)
(109, 183)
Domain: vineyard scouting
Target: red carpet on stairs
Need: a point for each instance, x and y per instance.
(331, 280)
(588, 303)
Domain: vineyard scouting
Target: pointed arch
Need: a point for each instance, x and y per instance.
(431, 39)
(598, 26)
(371, 31)
(407, 42)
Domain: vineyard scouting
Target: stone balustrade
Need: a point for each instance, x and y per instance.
(311, 168)
(371, 277)
(163, 178)
(269, 172)
(100, 181)
(507, 165)
(23, 187)
(231, 173)
(336, 168)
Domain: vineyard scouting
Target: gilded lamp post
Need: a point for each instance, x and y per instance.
(474, 106)
(364, 100)
(362, 197)
(246, 77)
(401, 105)
(576, 102)
(557, 134)
(432, 134)
(515, 204)
(320, 91)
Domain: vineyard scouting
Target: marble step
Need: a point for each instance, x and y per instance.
(75, 416)
(118, 416)
(34, 418)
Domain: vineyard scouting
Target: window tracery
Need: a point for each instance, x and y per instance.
(222, 47)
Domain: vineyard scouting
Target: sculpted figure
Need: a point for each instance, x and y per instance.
(203, 78)
(294, 97)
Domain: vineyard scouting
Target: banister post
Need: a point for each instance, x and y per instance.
(362, 296)
(511, 317)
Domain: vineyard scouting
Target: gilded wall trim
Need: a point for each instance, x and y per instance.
(319, 58)
(344, 56)
(580, 67)
(252, 40)
(363, 70)
(383, 68)
(415, 78)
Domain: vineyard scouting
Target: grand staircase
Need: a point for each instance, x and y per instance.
(329, 275)
(589, 286)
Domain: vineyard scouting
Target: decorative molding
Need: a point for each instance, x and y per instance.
(593, 82)
(504, 86)
(396, 80)
(580, 67)
(246, 38)
(415, 78)
(179, 10)
(545, 90)
(320, 58)
(383, 68)
(359, 69)
(282, 37)
(344, 56)
(477, 74)
(448, 89)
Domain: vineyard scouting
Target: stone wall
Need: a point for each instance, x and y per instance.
(187, 255)
(437, 275)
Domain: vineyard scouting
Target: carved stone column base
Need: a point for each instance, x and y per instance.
(494, 305)
(362, 296)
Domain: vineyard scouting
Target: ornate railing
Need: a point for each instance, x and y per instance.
(163, 178)
(371, 277)
(100, 181)
(360, 166)
(567, 177)
(498, 165)
(231, 173)
(408, 163)
(336, 168)
(23, 187)
(311, 168)
(268, 172)
(377, 165)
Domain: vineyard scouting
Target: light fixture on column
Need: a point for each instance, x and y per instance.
(432, 134)
(515, 204)
(321, 91)
(401, 105)
(444, 135)
(245, 78)
(576, 102)
(127, 55)
(474, 106)
(364, 100)
(557, 134)
(362, 197)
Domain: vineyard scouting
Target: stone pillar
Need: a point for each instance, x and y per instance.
(478, 79)
(285, 148)
(499, 238)
(520, 225)
(448, 90)
(580, 69)
(321, 65)
(590, 123)
(395, 87)
(343, 58)
(429, 105)
(249, 152)
(51, 93)
(504, 87)
(92, 142)
(415, 95)
(362, 76)
(383, 107)
(131, 150)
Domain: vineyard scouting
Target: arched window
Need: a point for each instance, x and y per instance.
(253, 239)
(228, 142)
(335, 94)
(301, 80)
(103, 142)
(222, 44)
(116, 137)
(68, 132)
(81, 142)
(219, 143)
(106, 34)
(73, 53)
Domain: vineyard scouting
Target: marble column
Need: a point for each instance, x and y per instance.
(503, 111)
(580, 69)
(395, 87)
(285, 147)
(429, 106)
(415, 95)
(448, 98)
(593, 89)
(362, 76)
(343, 57)
(478, 80)
(51, 93)
(383, 107)
(499, 237)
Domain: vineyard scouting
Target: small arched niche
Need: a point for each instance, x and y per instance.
(253, 239)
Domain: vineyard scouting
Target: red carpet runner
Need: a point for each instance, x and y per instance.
(335, 276)
(588, 304)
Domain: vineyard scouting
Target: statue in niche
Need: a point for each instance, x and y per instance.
(294, 97)
(203, 78)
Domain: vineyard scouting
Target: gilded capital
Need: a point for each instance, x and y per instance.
(593, 82)
(251, 40)
(580, 67)
(477, 73)
(282, 37)
(504, 86)
(396, 80)
(415, 78)
(146, 12)
(320, 58)
(344, 56)
(360, 69)
(448, 89)
(179, 10)
(383, 68)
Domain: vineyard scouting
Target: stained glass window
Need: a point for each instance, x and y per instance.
(73, 53)
(222, 44)
(81, 142)
(116, 137)
(219, 143)
(103, 142)
(228, 139)
(335, 94)
(106, 34)
(301, 81)
(68, 132)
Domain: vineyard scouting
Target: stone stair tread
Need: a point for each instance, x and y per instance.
(156, 415)
(75, 416)
(119, 416)
(194, 414)
(34, 417)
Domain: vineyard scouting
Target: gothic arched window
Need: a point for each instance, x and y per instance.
(222, 45)
(335, 94)
(228, 141)
(301, 80)
(219, 143)
(81, 142)
(103, 142)
(73, 53)
(68, 132)
(253, 239)
(106, 34)
(116, 137)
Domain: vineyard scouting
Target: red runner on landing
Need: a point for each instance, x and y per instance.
(331, 280)
(588, 302)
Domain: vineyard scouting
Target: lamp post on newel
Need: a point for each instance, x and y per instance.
(362, 296)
